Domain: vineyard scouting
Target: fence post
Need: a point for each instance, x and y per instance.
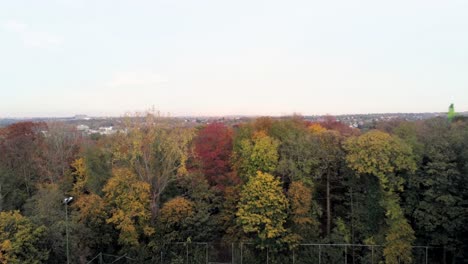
(294, 256)
(186, 247)
(372, 255)
(345, 255)
(232, 252)
(206, 252)
(426, 254)
(241, 245)
(320, 255)
(267, 254)
(101, 261)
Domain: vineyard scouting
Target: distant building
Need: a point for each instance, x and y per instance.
(81, 117)
(106, 130)
(84, 128)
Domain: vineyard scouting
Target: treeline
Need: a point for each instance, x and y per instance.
(275, 183)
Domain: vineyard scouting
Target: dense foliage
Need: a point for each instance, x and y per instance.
(273, 183)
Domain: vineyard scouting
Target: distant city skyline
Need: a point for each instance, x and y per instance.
(61, 58)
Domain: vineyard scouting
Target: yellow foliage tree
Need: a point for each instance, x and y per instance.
(173, 217)
(156, 150)
(128, 199)
(316, 128)
(262, 209)
(176, 210)
(79, 175)
(257, 154)
(20, 240)
(90, 206)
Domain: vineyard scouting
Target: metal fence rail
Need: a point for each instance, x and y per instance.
(248, 253)
(313, 253)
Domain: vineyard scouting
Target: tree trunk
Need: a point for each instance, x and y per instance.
(352, 222)
(328, 205)
(1, 198)
(445, 257)
(154, 203)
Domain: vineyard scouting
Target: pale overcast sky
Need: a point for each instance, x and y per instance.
(220, 57)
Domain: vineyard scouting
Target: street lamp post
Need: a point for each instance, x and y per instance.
(67, 201)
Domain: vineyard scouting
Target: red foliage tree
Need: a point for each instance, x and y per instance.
(19, 142)
(20, 151)
(213, 148)
(331, 123)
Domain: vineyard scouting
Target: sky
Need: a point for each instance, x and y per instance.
(220, 57)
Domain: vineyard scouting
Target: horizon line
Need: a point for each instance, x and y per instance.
(218, 116)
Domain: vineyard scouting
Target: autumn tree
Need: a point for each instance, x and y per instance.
(331, 123)
(20, 240)
(231, 228)
(297, 151)
(263, 123)
(128, 199)
(316, 128)
(257, 154)
(45, 208)
(80, 176)
(89, 213)
(174, 216)
(262, 210)
(204, 223)
(213, 147)
(300, 199)
(158, 181)
(156, 150)
(20, 159)
(384, 156)
(59, 149)
(304, 222)
(89, 217)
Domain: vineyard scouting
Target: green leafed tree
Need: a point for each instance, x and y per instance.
(437, 192)
(46, 208)
(384, 156)
(331, 156)
(257, 154)
(297, 151)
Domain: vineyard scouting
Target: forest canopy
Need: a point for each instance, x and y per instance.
(273, 183)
